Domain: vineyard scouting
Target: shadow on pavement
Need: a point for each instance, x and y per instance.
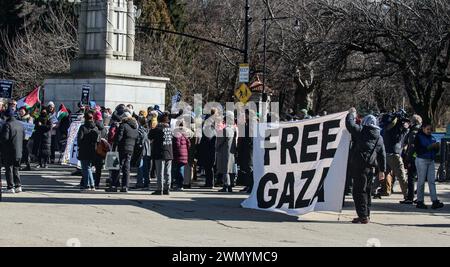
(215, 206)
(219, 209)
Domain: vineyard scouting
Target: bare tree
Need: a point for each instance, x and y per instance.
(42, 49)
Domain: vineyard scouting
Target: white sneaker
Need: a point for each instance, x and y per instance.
(10, 191)
(18, 189)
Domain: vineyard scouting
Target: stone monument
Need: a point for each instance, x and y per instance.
(106, 35)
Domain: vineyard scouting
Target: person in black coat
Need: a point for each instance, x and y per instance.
(12, 137)
(245, 154)
(62, 131)
(99, 161)
(125, 141)
(369, 154)
(43, 139)
(162, 152)
(207, 150)
(88, 136)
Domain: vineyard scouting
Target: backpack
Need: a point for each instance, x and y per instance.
(103, 147)
(139, 147)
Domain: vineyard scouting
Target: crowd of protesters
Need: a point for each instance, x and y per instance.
(390, 147)
(384, 148)
(171, 154)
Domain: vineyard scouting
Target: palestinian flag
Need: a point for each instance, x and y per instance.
(62, 112)
(30, 101)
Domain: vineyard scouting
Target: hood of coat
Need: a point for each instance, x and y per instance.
(163, 125)
(131, 121)
(100, 125)
(181, 131)
(90, 124)
(115, 117)
(371, 132)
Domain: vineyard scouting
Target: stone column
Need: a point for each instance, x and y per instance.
(131, 17)
(109, 12)
(82, 21)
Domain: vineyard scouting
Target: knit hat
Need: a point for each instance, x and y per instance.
(98, 116)
(370, 121)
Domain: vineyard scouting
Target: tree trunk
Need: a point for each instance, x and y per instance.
(304, 98)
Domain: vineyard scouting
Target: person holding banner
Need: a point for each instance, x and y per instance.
(369, 153)
(12, 136)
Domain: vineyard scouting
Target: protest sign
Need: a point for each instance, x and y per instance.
(301, 166)
(70, 156)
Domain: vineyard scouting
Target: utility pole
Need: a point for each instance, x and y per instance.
(247, 31)
(265, 60)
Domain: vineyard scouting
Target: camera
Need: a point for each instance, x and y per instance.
(401, 116)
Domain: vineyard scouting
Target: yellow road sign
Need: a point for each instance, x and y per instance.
(243, 93)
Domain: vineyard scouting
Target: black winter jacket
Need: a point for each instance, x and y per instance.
(366, 140)
(394, 138)
(161, 137)
(87, 138)
(12, 136)
(42, 137)
(126, 136)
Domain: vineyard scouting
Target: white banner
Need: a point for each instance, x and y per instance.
(70, 156)
(301, 167)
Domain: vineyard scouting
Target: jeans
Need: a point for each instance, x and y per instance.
(362, 189)
(143, 175)
(12, 174)
(163, 174)
(125, 166)
(426, 170)
(86, 170)
(179, 173)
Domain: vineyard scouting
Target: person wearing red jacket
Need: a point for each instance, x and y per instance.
(181, 146)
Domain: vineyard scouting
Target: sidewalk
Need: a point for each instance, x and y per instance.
(52, 212)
